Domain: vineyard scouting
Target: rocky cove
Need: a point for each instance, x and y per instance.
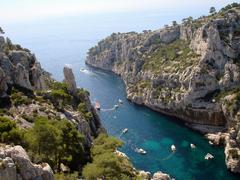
(49, 129)
(64, 114)
(189, 71)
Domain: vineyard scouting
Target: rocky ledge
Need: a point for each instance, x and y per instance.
(190, 71)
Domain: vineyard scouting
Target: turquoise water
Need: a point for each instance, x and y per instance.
(65, 41)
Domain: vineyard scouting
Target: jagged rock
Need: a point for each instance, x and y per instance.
(160, 176)
(3, 85)
(2, 43)
(64, 168)
(21, 68)
(216, 139)
(168, 35)
(70, 79)
(17, 157)
(8, 169)
(22, 57)
(38, 77)
(22, 77)
(144, 175)
(8, 68)
(232, 156)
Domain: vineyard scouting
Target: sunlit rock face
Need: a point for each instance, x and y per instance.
(186, 71)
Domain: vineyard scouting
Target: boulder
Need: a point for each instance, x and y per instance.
(17, 157)
(8, 169)
(160, 176)
(22, 77)
(216, 139)
(144, 175)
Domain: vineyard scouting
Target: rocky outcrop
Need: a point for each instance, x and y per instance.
(70, 80)
(15, 164)
(182, 71)
(3, 84)
(20, 67)
(160, 176)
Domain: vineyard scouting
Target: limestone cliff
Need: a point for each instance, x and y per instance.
(182, 70)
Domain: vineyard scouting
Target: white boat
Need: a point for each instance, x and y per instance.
(192, 146)
(116, 106)
(210, 142)
(140, 151)
(120, 101)
(97, 106)
(125, 130)
(209, 156)
(173, 148)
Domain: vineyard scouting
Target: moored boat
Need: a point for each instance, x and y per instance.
(208, 156)
(192, 146)
(97, 106)
(125, 130)
(140, 151)
(173, 148)
(120, 101)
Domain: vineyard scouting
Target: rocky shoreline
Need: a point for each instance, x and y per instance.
(190, 71)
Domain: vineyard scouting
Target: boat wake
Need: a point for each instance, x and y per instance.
(168, 157)
(85, 71)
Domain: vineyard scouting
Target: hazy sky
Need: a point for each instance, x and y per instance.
(25, 10)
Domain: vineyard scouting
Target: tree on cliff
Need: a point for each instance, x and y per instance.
(106, 164)
(56, 142)
(212, 10)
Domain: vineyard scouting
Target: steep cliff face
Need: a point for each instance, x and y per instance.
(183, 70)
(178, 69)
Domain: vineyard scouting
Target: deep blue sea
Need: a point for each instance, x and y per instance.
(61, 41)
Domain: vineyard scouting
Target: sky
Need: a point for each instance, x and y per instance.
(29, 10)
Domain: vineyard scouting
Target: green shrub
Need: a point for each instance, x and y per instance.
(28, 118)
(9, 132)
(82, 108)
(59, 86)
(61, 95)
(170, 58)
(72, 176)
(18, 98)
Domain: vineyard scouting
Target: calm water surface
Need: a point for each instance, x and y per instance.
(65, 41)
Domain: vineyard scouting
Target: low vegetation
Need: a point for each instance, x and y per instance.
(170, 58)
